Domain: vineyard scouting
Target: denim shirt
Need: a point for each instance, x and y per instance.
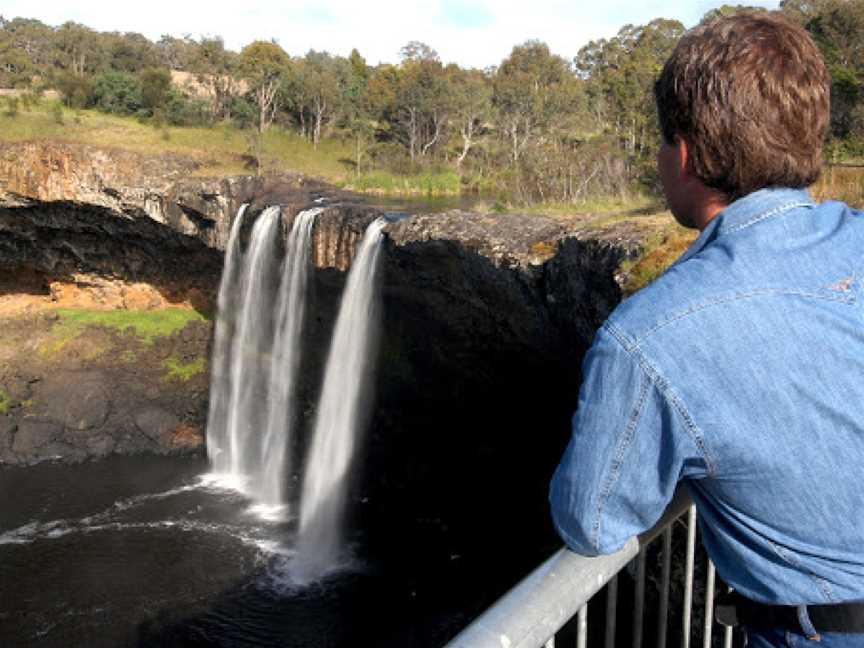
(741, 373)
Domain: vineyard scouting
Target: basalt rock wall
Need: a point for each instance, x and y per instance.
(107, 289)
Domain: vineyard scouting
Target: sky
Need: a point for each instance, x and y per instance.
(472, 33)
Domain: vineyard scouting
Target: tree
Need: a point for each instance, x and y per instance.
(263, 65)
(77, 48)
(155, 86)
(726, 10)
(417, 51)
(423, 104)
(129, 52)
(176, 53)
(620, 74)
(526, 93)
(471, 94)
(323, 79)
(215, 68)
(117, 92)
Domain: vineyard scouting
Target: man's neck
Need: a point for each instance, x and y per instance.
(707, 211)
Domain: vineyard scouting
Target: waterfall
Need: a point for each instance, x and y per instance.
(256, 352)
(226, 306)
(337, 428)
(285, 359)
(250, 348)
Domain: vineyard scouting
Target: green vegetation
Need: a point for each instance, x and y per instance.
(184, 371)
(661, 250)
(5, 401)
(220, 149)
(537, 129)
(146, 325)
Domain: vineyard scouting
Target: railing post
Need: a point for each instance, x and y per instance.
(529, 615)
(611, 611)
(639, 607)
(709, 606)
(663, 613)
(688, 576)
(582, 631)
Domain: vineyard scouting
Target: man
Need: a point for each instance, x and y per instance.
(740, 372)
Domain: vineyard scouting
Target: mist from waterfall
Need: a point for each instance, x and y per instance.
(255, 360)
(339, 416)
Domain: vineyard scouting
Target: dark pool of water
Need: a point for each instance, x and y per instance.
(141, 552)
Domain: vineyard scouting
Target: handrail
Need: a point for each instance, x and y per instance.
(539, 605)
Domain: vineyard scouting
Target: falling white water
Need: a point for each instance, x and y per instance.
(284, 362)
(257, 370)
(251, 343)
(221, 360)
(337, 428)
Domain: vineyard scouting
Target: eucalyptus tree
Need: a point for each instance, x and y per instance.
(77, 49)
(471, 101)
(263, 65)
(323, 82)
(527, 91)
(216, 70)
(619, 75)
(422, 99)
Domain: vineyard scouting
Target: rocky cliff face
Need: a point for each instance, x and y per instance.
(485, 317)
(109, 266)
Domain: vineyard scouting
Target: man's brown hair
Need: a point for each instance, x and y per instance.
(750, 95)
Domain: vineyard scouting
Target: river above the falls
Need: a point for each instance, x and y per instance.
(146, 551)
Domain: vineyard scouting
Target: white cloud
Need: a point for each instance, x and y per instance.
(377, 28)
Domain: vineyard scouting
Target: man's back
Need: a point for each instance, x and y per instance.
(750, 351)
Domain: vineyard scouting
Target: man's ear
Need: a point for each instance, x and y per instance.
(682, 157)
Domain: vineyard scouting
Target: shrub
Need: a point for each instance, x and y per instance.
(57, 113)
(155, 87)
(117, 92)
(243, 113)
(182, 111)
(76, 90)
(11, 107)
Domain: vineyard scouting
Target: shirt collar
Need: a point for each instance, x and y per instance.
(749, 210)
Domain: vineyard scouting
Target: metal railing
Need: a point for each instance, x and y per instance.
(530, 614)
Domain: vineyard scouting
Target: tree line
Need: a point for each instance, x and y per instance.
(536, 127)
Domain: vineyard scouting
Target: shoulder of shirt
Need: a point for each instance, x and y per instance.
(687, 285)
(647, 310)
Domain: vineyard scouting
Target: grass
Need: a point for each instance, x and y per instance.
(841, 183)
(147, 325)
(184, 371)
(662, 249)
(219, 149)
(5, 401)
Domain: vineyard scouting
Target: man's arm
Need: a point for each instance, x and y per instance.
(631, 443)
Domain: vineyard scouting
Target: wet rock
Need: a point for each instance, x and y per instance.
(156, 424)
(32, 437)
(78, 402)
(100, 446)
(185, 437)
(8, 426)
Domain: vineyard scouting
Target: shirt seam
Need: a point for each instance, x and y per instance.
(664, 388)
(750, 294)
(823, 585)
(766, 215)
(623, 445)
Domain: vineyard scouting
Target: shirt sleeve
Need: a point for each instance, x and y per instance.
(628, 450)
